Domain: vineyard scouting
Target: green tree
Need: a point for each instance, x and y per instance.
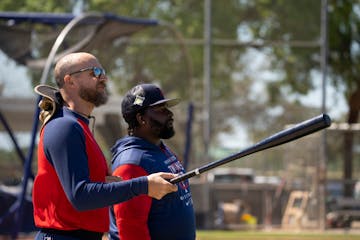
(285, 33)
(299, 63)
(344, 59)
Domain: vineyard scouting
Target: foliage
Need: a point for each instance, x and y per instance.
(36, 6)
(285, 34)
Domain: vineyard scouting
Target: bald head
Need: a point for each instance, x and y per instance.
(71, 63)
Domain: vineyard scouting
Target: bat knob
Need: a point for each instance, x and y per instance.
(327, 120)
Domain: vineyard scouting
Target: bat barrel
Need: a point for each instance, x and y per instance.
(300, 130)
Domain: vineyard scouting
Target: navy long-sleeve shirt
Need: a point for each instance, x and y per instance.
(70, 190)
(142, 217)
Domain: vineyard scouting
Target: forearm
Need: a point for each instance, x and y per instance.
(87, 196)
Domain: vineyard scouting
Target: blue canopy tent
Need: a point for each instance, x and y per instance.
(65, 32)
(93, 31)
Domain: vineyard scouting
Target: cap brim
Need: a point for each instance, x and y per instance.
(48, 92)
(169, 102)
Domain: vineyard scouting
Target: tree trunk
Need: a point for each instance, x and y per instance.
(354, 108)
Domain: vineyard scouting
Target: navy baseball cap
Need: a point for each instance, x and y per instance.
(142, 96)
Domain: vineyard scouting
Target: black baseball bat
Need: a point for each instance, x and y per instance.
(300, 130)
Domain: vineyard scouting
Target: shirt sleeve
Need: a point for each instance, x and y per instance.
(64, 146)
(132, 216)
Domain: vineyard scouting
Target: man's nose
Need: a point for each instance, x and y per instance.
(103, 78)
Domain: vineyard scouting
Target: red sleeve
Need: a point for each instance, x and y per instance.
(131, 216)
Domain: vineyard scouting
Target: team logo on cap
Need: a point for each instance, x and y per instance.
(139, 100)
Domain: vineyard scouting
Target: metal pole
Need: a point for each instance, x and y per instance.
(207, 78)
(323, 153)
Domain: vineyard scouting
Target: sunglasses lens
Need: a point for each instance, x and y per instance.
(98, 72)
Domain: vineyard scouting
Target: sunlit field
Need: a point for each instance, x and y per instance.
(227, 235)
(249, 235)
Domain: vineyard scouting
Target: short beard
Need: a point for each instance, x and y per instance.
(162, 130)
(95, 97)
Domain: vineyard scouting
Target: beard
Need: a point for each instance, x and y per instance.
(162, 130)
(94, 96)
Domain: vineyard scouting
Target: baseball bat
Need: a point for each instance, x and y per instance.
(299, 130)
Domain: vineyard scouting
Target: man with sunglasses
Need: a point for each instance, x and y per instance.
(143, 152)
(70, 193)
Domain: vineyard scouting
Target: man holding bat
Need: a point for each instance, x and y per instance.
(70, 194)
(143, 152)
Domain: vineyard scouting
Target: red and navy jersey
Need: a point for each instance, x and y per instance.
(143, 217)
(69, 191)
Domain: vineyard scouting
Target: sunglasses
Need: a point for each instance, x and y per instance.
(96, 71)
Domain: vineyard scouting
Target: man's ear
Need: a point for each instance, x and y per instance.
(140, 119)
(68, 80)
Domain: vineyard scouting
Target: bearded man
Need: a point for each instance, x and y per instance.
(70, 195)
(143, 152)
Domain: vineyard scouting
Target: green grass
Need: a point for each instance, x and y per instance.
(231, 235)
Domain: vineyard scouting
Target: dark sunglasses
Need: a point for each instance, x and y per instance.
(97, 72)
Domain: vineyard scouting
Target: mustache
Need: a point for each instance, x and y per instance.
(102, 84)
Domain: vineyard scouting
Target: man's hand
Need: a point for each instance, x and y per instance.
(158, 186)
